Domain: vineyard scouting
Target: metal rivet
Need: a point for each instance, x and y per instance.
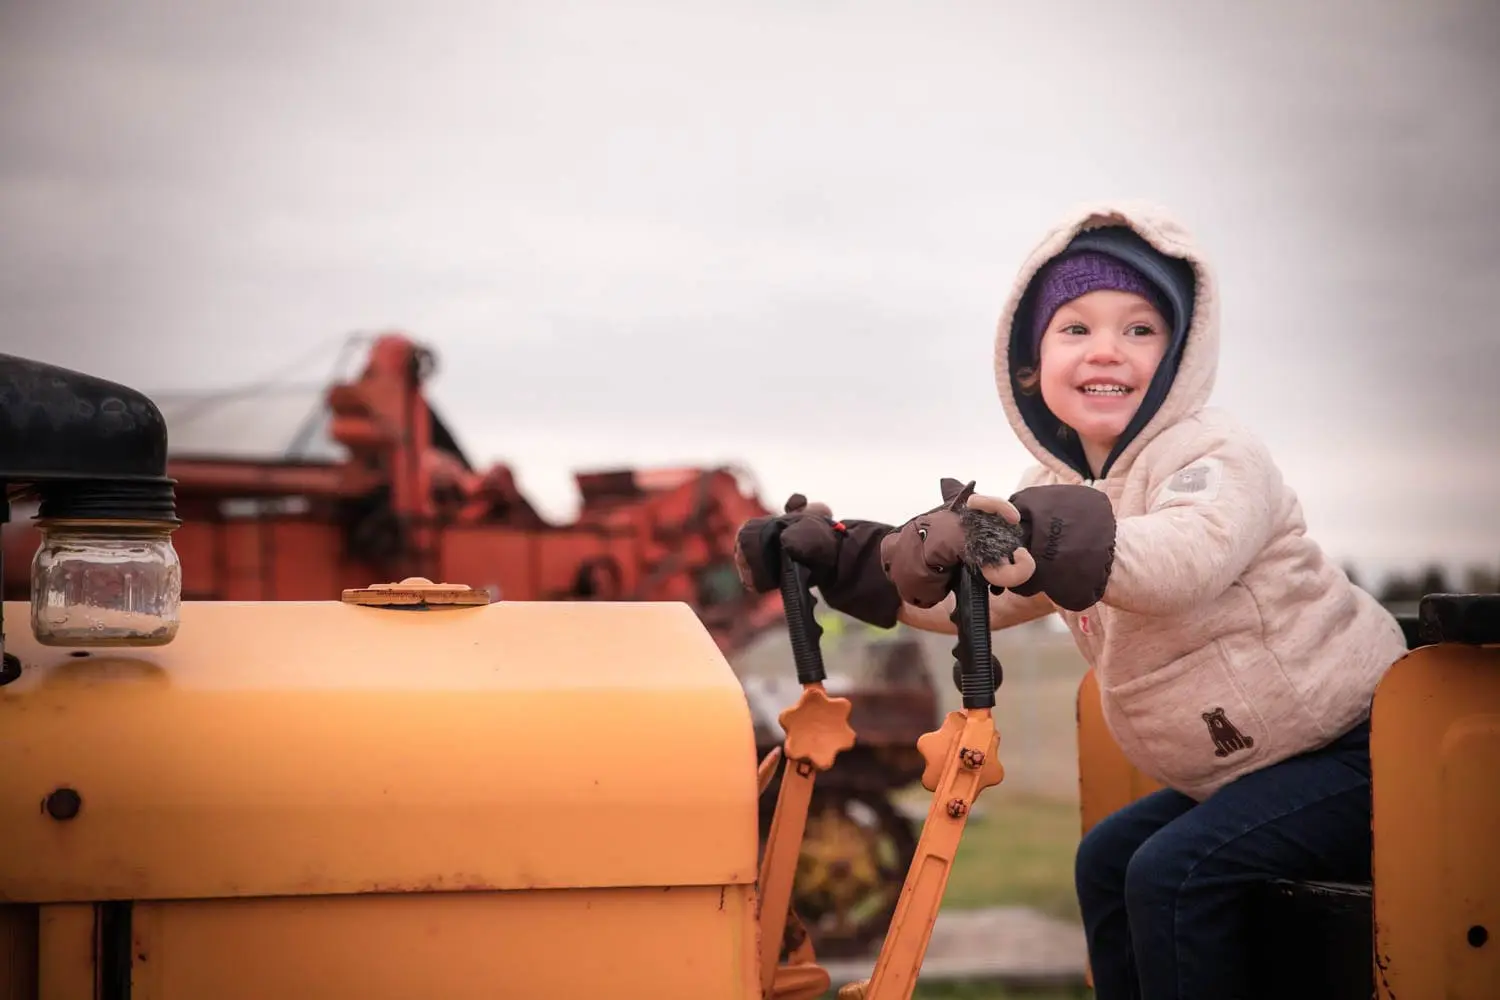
(63, 804)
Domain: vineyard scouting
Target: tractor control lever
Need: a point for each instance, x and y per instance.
(977, 674)
(962, 759)
(816, 730)
(806, 634)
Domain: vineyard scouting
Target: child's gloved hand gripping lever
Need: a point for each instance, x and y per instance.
(817, 729)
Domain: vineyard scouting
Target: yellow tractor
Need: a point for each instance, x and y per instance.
(409, 792)
(415, 792)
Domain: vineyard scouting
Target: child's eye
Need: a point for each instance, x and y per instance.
(1076, 328)
(1142, 330)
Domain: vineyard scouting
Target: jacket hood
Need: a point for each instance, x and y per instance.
(1157, 245)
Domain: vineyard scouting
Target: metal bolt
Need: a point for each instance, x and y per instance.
(63, 803)
(957, 808)
(971, 758)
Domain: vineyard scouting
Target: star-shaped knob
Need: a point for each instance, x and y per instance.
(817, 727)
(944, 743)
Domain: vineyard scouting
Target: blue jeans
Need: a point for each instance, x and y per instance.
(1163, 882)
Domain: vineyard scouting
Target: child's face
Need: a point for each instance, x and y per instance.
(1098, 356)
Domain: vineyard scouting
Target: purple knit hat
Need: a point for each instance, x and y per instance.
(1072, 275)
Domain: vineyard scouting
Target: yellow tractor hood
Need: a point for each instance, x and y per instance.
(319, 748)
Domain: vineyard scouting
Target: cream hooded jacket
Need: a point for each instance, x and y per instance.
(1225, 641)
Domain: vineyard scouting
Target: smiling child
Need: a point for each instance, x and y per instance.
(1236, 663)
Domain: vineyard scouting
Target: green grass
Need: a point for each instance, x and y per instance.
(1017, 852)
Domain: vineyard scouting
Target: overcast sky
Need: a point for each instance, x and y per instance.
(773, 234)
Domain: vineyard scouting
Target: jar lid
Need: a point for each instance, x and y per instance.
(415, 590)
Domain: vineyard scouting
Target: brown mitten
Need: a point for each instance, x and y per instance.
(1070, 535)
(842, 558)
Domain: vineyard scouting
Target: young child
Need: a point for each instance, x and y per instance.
(1236, 664)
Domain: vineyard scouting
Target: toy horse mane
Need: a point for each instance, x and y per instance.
(988, 538)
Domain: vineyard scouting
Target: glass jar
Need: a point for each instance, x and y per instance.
(105, 583)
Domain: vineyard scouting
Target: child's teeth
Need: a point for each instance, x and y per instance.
(1114, 390)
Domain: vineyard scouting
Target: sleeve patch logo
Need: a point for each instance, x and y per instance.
(1199, 481)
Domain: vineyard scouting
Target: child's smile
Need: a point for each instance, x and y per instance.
(1106, 387)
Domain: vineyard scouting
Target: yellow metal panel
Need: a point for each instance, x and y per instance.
(1435, 747)
(302, 748)
(1107, 781)
(623, 944)
(66, 950)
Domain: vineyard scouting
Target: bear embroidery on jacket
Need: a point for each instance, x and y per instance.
(1193, 480)
(1227, 738)
(1197, 483)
